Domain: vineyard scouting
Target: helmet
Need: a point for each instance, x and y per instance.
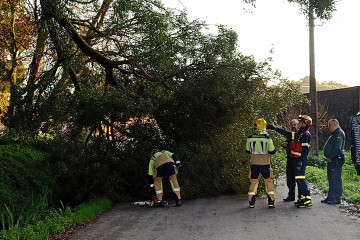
(260, 124)
(306, 119)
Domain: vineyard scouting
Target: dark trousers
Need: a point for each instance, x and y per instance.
(299, 167)
(334, 169)
(290, 177)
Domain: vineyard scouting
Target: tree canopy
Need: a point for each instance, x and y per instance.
(116, 77)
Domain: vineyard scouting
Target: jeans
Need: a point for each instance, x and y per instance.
(334, 169)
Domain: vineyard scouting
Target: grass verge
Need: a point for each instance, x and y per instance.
(317, 174)
(57, 221)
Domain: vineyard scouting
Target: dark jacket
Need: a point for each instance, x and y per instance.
(335, 144)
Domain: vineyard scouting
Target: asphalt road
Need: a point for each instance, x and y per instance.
(226, 218)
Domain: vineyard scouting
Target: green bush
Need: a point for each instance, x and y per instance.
(319, 162)
(25, 179)
(117, 170)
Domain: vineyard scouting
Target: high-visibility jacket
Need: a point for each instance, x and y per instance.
(260, 145)
(161, 158)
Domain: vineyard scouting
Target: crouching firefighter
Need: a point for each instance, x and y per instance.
(300, 145)
(259, 145)
(164, 164)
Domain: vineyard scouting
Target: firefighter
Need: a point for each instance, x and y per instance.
(299, 155)
(259, 145)
(164, 164)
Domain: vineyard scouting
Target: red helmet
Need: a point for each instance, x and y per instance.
(306, 119)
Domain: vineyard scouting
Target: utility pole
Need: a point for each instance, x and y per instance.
(313, 95)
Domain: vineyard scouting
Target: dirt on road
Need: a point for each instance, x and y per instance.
(225, 217)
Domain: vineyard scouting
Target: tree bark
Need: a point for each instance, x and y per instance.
(313, 94)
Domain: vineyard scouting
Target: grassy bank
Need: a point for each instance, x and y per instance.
(56, 221)
(317, 174)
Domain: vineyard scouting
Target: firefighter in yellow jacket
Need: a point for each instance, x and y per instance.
(259, 145)
(164, 164)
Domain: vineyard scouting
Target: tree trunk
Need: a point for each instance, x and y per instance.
(313, 95)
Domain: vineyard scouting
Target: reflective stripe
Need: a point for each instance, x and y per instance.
(251, 193)
(151, 185)
(296, 153)
(258, 146)
(177, 162)
(158, 192)
(271, 192)
(299, 177)
(176, 189)
(305, 144)
(292, 135)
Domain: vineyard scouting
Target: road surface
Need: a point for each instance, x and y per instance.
(226, 218)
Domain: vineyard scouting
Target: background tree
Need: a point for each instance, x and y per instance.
(106, 81)
(323, 10)
(15, 38)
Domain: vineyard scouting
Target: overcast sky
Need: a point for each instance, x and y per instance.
(278, 25)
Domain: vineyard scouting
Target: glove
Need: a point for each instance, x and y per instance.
(180, 167)
(269, 126)
(151, 181)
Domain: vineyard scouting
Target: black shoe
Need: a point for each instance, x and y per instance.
(252, 202)
(289, 199)
(333, 202)
(178, 202)
(305, 201)
(160, 204)
(271, 202)
(326, 200)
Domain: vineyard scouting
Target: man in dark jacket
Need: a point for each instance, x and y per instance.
(290, 174)
(334, 152)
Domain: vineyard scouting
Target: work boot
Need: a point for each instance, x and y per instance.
(305, 201)
(178, 202)
(160, 204)
(334, 201)
(252, 202)
(289, 198)
(326, 200)
(271, 202)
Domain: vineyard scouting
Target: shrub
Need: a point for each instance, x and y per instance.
(25, 179)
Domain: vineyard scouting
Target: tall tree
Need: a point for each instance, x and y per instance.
(15, 38)
(321, 10)
(120, 75)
